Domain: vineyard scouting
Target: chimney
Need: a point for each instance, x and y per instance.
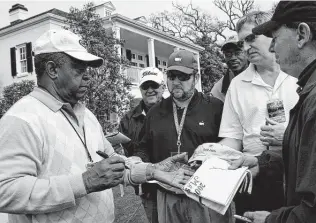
(17, 13)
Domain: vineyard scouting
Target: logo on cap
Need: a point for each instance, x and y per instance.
(177, 59)
(146, 73)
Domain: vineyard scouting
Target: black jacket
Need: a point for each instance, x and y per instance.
(299, 154)
(131, 125)
(201, 125)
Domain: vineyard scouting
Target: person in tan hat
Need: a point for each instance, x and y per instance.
(237, 62)
(180, 123)
(49, 168)
(152, 87)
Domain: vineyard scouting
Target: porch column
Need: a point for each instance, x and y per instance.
(151, 52)
(199, 83)
(117, 33)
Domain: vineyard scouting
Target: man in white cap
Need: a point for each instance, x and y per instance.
(151, 87)
(49, 168)
(237, 62)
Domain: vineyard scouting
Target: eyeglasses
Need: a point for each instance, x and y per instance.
(181, 76)
(229, 54)
(149, 84)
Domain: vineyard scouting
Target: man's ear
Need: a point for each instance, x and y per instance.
(51, 70)
(304, 34)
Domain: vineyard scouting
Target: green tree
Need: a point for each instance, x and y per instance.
(13, 93)
(109, 88)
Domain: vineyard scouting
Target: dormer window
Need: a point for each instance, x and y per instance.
(107, 13)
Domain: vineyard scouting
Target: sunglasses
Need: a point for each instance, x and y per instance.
(149, 84)
(181, 76)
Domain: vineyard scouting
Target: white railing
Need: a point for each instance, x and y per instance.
(134, 74)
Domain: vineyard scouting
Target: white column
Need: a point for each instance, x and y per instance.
(151, 52)
(199, 83)
(117, 34)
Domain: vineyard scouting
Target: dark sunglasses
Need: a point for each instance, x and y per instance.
(181, 76)
(149, 84)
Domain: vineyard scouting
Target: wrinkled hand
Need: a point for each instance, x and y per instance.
(172, 163)
(257, 216)
(176, 178)
(249, 161)
(272, 134)
(104, 174)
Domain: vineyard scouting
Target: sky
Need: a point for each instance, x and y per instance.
(128, 8)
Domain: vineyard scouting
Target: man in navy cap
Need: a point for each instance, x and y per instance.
(293, 28)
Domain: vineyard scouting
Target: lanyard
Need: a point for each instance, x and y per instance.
(179, 127)
(84, 135)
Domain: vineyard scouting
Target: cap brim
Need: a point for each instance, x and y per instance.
(153, 78)
(230, 45)
(266, 28)
(90, 59)
(181, 68)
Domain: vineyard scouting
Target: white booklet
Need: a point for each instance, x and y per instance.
(215, 186)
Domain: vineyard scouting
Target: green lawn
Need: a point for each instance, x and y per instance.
(129, 208)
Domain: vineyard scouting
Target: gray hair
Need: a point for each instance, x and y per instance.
(255, 17)
(40, 61)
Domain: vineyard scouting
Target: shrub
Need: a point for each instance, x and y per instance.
(13, 93)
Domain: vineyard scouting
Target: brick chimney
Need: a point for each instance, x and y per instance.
(17, 13)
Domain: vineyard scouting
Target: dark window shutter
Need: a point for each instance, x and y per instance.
(156, 61)
(29, 57)
(129, 54)
(13, 61)
(147, 60)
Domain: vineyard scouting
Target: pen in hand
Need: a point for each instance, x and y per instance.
(102, 154)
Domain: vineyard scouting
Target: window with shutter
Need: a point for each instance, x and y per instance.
(13, 61)
(29, 57)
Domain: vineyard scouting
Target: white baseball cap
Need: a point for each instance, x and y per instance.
(232, 41)
(151, 74)
(61, 40)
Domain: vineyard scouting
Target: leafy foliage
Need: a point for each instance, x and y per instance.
(13, 93)
(109, 88)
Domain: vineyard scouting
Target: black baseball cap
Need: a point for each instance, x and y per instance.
(182, 60)
(287, 12)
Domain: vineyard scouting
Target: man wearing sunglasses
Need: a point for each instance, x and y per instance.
(236, 61)
(181, 123)
(245, 111)
(152, 88)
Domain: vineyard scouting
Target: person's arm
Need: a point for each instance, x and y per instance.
(167, 171)
(123, 128)
(22, 190)
(305, 180)
(142, 148)
(231, 129)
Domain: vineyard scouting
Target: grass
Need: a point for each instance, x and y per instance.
(129, 208)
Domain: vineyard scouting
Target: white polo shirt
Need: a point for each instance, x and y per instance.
(245, 107)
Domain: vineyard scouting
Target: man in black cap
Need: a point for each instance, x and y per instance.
(293, 28)
(236, 60)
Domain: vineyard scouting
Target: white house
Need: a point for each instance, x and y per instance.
(144, 46)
